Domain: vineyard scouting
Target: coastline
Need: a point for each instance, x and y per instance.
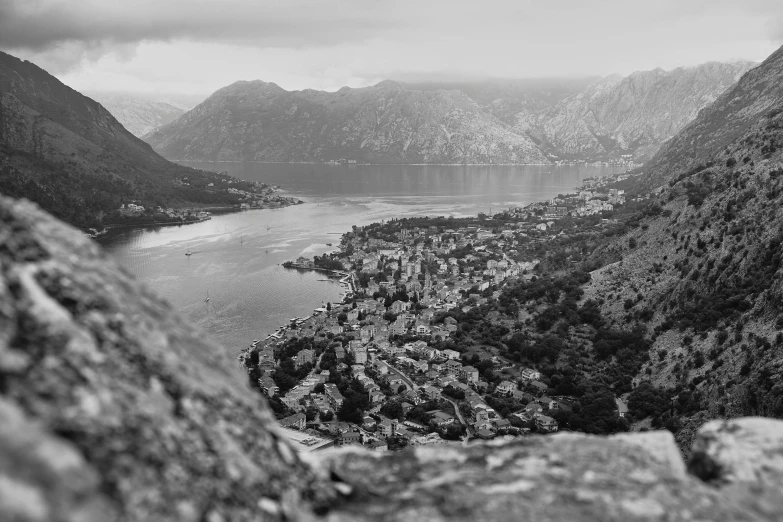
(217, 210)
(339, 164)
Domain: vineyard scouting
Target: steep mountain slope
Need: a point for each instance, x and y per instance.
(386, 123)
(703, 272)
(756, 93)
(632, 115)
(71, 156)
(138, 114)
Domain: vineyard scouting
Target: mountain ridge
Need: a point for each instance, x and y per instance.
(719, 123)
(385, 123)
(503, 122)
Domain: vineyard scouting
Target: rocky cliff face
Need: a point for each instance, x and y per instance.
(137, 114)
(113, 408)
(486, 122)
(733, 113)
(632, 115)
(386, 123)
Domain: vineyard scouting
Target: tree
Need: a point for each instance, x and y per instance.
(452, 432)
(647, 400)
(392, 409)
(327, 416)
(329, 307)
(311, 412)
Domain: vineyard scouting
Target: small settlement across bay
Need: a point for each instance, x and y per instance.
(454, 329)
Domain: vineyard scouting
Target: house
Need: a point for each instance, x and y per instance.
(545, 423)
(350, 437)
(360, 355)
(335, 397)
(502, 424)
(440, 418)
(378, 446)
(530, 374)
(622, 408)
(549, 403)
(422, 330)
(485, 434)
(295, 421)
(386, 428)
(305, 356)
(469, 373)
(368, 422)
(451, 354)
(539, 386)
(399, 307)
(506, 388)
(431, 392)
(452, 367)
(376, 396)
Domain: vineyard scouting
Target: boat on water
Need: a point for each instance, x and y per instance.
(328, 244)
(188, 253)
(206, 299)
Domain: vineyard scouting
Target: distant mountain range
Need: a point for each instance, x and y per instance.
(67, 153)
(141, 113)
(513, 121)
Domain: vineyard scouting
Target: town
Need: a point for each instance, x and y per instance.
(432, 343)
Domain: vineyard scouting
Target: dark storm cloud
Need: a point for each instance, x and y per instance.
(39, 25)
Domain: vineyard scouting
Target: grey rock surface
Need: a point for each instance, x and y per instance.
(152, 416)
(747, 450)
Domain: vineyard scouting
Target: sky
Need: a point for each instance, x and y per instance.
(197, 46)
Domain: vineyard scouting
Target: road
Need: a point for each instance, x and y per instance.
(408, 382)
(466, 438)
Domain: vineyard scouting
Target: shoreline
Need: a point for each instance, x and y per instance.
(217, 210)
(346, 279)
(574, 164)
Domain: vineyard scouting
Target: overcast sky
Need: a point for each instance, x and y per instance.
(197, 46)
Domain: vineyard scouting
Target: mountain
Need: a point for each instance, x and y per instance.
(701, 268)
(385, 123)
(733, 113)
(631, 115)
(505, 98)
(67, 153)
(137, 113)
(494, 121)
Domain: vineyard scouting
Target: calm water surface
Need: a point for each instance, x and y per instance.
(236, 256)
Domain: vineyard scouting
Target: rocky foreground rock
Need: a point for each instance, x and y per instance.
(112, 407)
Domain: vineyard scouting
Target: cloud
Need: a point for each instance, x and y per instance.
(43, 24)
(150, 44)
